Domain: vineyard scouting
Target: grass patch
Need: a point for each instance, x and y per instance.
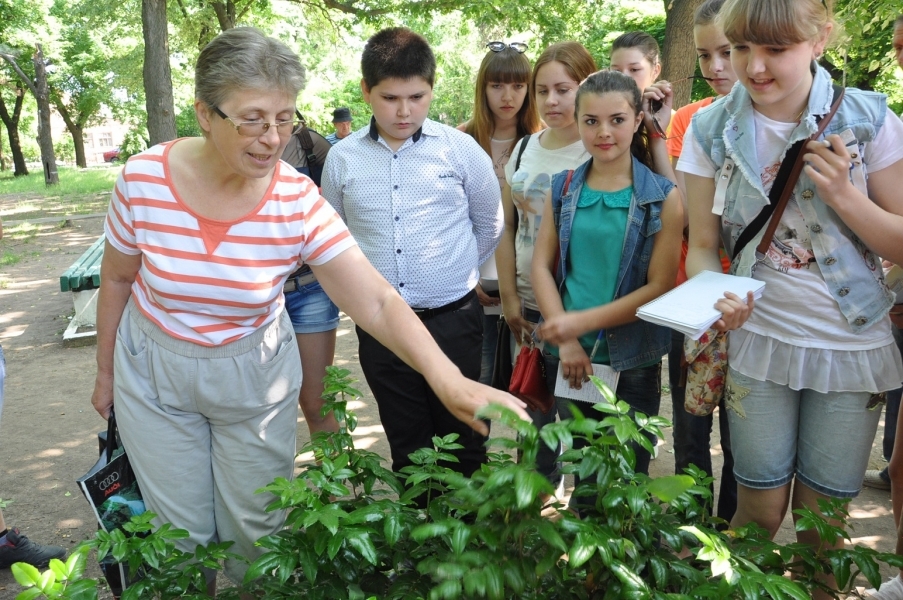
(8, 259)
(80, 191)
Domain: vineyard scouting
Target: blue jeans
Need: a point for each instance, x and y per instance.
(822, 440)
(490, 340)
(311, 310)
(692, 435)
(641, 388)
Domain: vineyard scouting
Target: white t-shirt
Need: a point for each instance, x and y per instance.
(530, 186)
(797, 332)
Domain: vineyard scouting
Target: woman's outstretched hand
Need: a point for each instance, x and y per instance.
(464, 397)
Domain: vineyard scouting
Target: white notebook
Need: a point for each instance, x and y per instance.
(690, 307)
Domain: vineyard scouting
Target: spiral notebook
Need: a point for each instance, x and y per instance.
(690, 307)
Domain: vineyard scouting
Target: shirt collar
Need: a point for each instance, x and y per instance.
(428, 128)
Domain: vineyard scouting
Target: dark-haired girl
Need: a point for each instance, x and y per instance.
(615, 232)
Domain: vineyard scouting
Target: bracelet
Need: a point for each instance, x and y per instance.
(655, 135)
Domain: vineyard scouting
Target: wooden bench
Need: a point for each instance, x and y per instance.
(83, 280)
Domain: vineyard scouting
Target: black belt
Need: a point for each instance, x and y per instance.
(531, 315)
(429, 313)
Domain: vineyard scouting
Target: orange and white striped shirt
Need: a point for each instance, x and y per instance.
(213, 282)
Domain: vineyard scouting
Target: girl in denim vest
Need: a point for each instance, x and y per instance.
(617, 228)
(807, 363)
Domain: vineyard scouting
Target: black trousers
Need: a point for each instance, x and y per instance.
(410, 411)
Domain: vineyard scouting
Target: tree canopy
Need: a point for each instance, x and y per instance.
(97, 57)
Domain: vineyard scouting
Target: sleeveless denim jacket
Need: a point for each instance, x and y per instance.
(636, 343)
(726, 132)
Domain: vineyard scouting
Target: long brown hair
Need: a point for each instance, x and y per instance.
(576, 60)
(507, 66)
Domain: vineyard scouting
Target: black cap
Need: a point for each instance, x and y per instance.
(341, 115)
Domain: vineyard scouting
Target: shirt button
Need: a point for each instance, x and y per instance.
(395, 187)
(830, 261)
(398, 251)
(843, 292)
(816, 228)
(401, 284)
(394, 156)
(396, 218)
(808, 195)
(860, 321)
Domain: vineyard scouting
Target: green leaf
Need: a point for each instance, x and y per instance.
(30, 594)
(581, 551)
(392, 528)
(459, 538)
(360, 541)
(83, 589)
(868, 566)
(334, 545)
(26, 575)
(668, 489)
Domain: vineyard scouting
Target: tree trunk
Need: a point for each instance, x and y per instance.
(12, 131)
(161, 115)
(45, 140)
(76, 130)
(679, 51)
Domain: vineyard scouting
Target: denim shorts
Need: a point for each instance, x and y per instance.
(824, 440)
(311, 310)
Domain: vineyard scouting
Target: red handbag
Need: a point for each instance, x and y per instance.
(528, 380)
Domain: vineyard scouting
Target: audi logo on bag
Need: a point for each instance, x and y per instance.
(113, 478)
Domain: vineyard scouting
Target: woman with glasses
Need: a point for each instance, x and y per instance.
(194, 346)
(502, 115)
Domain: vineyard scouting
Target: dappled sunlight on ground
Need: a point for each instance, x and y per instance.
(869, 541)
(870, 511)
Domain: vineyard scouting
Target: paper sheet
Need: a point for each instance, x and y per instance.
(588, 392)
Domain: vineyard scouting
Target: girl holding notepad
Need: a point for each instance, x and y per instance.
(607, 245)
(807, 363)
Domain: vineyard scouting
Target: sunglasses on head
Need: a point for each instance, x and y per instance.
(656, 105)
(520, 47)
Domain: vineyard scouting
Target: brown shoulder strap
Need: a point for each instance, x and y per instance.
(762, 248)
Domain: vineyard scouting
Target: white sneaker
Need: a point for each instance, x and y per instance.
(889, 590)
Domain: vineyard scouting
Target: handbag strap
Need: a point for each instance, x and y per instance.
(112, 431)
(520, 152)
(783, 185)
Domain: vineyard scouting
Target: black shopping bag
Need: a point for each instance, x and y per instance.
(112, 491)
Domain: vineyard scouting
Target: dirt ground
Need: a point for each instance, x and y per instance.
(49, 430)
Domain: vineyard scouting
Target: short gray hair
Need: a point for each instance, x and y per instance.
(244, 58)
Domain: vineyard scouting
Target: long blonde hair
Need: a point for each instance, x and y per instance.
(507, 66)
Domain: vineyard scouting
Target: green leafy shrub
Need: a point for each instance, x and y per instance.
(353, 530)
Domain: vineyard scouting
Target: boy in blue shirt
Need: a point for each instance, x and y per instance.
(423, 202)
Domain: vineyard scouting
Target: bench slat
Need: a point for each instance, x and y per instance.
(84, 272)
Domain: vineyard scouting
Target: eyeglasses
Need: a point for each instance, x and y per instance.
(258, 128)
(656, 105)
(520, 47)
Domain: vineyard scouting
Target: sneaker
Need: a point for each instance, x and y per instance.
(876, 479)
(18, 548)
(890, 590)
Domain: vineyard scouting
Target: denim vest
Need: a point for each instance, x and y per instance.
(726, 132)
(636, 343)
